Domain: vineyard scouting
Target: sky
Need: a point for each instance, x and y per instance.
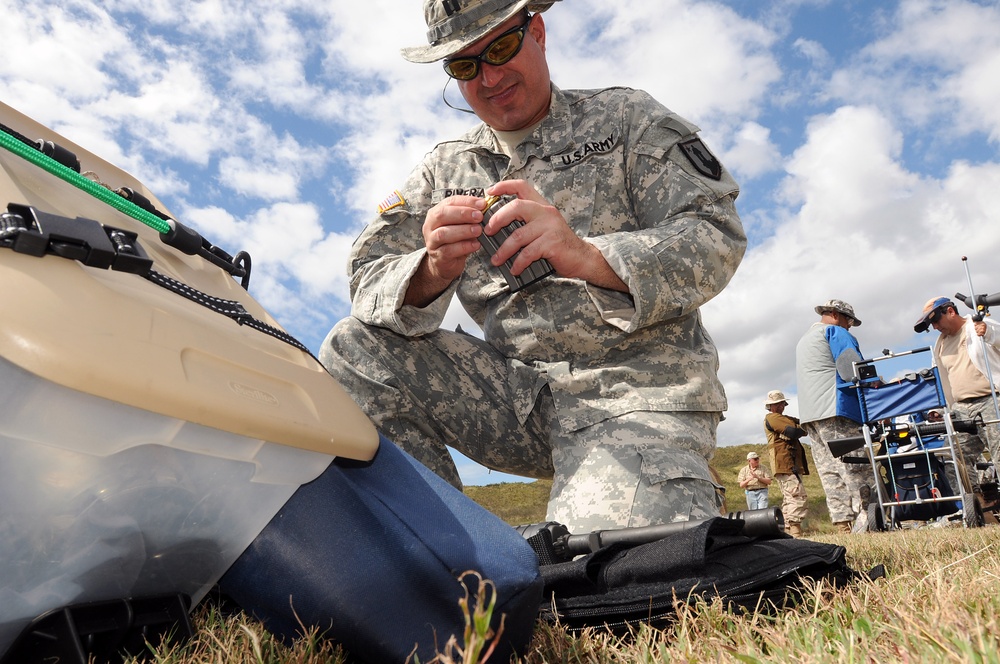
(864, 136)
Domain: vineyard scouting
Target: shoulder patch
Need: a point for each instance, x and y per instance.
(393, 200)
(703, 161)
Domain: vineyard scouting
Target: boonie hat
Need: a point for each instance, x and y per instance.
(752, 455)
(842, 307)
(775, 396)
(453, 25)
(932, 305)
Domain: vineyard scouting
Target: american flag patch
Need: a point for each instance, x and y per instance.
(393, 200)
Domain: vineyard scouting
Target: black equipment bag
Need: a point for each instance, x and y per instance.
(620, 586)
(920, 478)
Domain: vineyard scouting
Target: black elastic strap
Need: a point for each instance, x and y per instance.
(229, 308)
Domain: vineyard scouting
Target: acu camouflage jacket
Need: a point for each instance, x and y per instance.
(631, 177)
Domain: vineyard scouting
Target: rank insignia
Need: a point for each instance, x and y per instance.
(703, 161)
(393, 200)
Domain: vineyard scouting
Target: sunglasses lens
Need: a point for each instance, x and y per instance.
(504, 48)
(499, 52)
(463, 70)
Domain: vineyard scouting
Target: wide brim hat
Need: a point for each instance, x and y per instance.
(454, 25)
(841, 306)
(775, 396)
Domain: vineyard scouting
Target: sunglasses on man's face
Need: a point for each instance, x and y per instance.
(500, 51)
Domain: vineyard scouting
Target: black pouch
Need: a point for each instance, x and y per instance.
(621, 586)
(919, 479)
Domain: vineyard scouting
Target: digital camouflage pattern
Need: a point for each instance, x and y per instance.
(793, 497)
(841, 481)
(609, 161)
(972, 445)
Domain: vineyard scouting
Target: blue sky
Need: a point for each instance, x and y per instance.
(864, 136)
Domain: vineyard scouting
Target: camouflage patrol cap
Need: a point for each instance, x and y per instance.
(838, 306)
(453, 25)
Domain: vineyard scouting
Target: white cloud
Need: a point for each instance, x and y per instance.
(845, 172)
(752, 153)
(938, 64)
(813, 50)
(700, 59)
(976, 89)
(60, 48)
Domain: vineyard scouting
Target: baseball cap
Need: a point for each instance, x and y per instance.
(752, 455)
(841, 306)
(930, 307)
(453, 25)
(775, 396)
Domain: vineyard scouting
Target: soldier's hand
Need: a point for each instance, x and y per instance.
(546, 234)
(450, 232)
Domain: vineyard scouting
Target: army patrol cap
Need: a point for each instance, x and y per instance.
(775, 396)
(841, 307)
(453, 25)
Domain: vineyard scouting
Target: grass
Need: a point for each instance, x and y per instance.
(940, 602)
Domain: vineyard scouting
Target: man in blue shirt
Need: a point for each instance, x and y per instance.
(829, 408)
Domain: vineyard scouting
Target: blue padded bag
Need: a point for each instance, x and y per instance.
(371, 555)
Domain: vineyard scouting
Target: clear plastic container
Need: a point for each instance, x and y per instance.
(105, 501)
(145, 440)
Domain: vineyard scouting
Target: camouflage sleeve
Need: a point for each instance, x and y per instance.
(690, 238)
(387, 254)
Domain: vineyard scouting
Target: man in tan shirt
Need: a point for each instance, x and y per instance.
(964, 362)
(754, 480)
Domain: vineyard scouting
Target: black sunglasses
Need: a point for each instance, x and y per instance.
(500, 51)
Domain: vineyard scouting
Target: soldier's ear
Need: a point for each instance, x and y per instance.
(537, 30)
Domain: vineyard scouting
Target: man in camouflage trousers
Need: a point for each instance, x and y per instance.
(599, 375)
(829, 408)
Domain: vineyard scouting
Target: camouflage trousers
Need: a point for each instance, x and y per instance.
(793, 497)
(987, 436)
(449, 389)
(841, 481)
